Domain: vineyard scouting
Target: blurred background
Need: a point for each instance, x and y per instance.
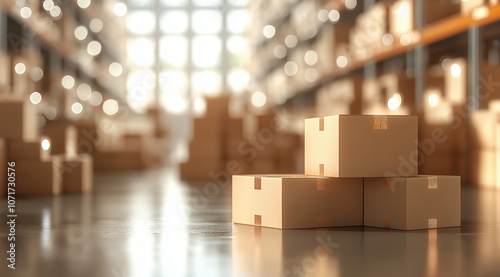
(147, 103)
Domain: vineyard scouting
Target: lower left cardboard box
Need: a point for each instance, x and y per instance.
(297, 201)
(39, 177)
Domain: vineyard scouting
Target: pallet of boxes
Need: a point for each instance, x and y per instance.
(359, 170)
(238, 145)
(37, 170)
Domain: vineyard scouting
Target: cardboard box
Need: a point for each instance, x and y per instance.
(209, 148)
(234, 127)
(467, 6)
(19, 118)
(401, 19)
(361, 146)
(218, 106)
(208, 127)
(64, 138)
(39, 178)
(297, 201)
(438, 10)
(455, 79)
(422, 202)
(439, 164)
(5, 71)
(3, 168)
(118, 160)
(485, 168)
(263, 165)
(484, 129)
(236, 147)
(200, 169)
(77, 174)
(29, 151)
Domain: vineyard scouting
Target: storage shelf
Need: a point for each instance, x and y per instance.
(432, 33)
(53, 42)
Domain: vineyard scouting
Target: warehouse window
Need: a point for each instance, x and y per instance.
(182, 50)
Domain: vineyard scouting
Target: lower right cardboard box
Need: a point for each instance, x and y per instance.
(411, 203)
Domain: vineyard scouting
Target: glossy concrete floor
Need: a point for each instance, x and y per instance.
(150, 224)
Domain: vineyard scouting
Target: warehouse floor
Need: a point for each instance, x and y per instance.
(150, 224)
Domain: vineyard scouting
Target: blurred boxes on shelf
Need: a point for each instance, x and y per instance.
(5, 72)
(35, 151)
(297, 201)
(485, 142)
(118, 160)
(438, 10)
(361, 146)
(467, 6)
(39, 177)
(256, 142)
(401, 20)
(77, 174)
(340, 97)
(422, 202)
(63, 137)
(20, 121)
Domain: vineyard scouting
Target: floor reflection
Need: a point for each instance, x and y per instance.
(150, 224)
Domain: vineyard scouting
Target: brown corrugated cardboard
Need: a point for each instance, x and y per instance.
(208, 127)
(5, 71)
(456, 81)
(206, 148)
(3, 168)
(438, 10)
(297, 201)
(118, 160)
(401, 19)
(263, 165)
(361, 146)
(218, 106)
(39, 178)
(200, 169)
(19, 118)
(29, 151)
(77, 174)
(64, 138)
(439, 164)
(421, 202)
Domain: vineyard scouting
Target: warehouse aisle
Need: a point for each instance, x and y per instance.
(150, 224)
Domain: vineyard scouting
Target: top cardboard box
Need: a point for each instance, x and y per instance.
(361, 146)
(18, 118)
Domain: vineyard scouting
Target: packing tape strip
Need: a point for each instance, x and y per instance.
(379, 122)
(432, 182)
(387, 183)
(321, 123)
(387, 223)
(432, 223)
(321, 222)
(321, 169)
(257, 220)
(257, 183)
(322, 184)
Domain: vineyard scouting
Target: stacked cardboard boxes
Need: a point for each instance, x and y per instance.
(253, 143)
(36, 171)
(485, 141)
(360, 170)
(443, 130)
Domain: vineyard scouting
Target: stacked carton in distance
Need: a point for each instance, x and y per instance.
(485, 138)
(359, 170)
(238, 145)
